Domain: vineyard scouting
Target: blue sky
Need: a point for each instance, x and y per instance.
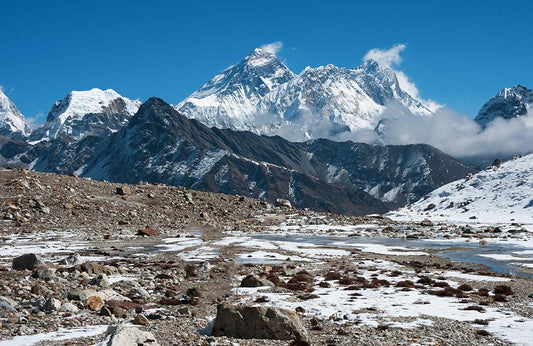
(459, 53)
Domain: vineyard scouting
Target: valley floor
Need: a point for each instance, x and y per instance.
(352, 280)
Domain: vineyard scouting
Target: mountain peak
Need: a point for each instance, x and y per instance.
(87, 112)
(260, 57)
(12, 122)
(507, 104)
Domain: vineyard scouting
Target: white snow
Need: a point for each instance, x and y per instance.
(77, 105)
(10, 117)
(262, 95)
(59, 335)
(496, 195)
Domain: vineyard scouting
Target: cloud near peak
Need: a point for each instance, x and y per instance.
(273, 47)
(391, 58)
(386, 57)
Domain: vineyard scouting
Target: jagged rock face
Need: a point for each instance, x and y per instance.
(262, 95)
(507, 104)
(394, 173)
(12, 122)
(86, 113)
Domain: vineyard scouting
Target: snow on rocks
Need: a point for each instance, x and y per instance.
(496, 195)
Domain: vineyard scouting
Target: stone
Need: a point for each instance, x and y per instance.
(45, 274)
(94, 303)
(51, 304)
(430, 207)
(100, 280)
(69, 307)
(148, 231)
(258, 322)
(123, 190)
(253, 280)
(72, 260)
(7, 304)
(426, 223)
(283, 203)
(184, 311)
(106, 311)
(128, 305)
(119, 312)
(28, 261)
(122, 335)
(141, 320)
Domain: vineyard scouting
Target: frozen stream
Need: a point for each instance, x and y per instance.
(498, 256)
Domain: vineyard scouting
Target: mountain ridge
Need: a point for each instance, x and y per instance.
(274, 100)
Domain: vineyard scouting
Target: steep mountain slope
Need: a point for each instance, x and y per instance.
(398, 174)
(159, 145)
(498, 194)
(507, 104)
(12, 122)
(93, 112)
(262, 95)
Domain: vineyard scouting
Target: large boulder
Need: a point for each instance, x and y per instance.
(123, 335)
(29, 261)
(258, 322)
(253, 280)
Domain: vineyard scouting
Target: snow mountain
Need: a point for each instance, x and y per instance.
(260, 94)
(507, 104)
(12, 122)
(500, 193)
(92, 112)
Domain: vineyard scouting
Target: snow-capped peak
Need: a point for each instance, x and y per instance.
(508, 103)
(82, 113)
(260, 57)
(262, 95)
(80, 103)
(12, 122)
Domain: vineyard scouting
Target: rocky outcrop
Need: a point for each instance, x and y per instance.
(259, 322)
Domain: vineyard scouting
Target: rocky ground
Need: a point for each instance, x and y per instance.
(155, 262)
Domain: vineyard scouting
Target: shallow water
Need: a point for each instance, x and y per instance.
(456, 251)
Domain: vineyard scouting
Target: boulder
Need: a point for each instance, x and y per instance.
(426, 223)
(283, 203)
(68, 307)
(123, 190)
(148, 231)
(122, 335)
(100, 280)
(51, 304)
(253, 280)
(29, 261)
(45, 274)
(258, 322)
(8, 304)
(94, 303)
(73, 259)
(140, 319)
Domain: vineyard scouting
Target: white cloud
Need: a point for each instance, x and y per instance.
(387, 57)
(273, 47)
(36, 121)
(391, 58)
(459, 135)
